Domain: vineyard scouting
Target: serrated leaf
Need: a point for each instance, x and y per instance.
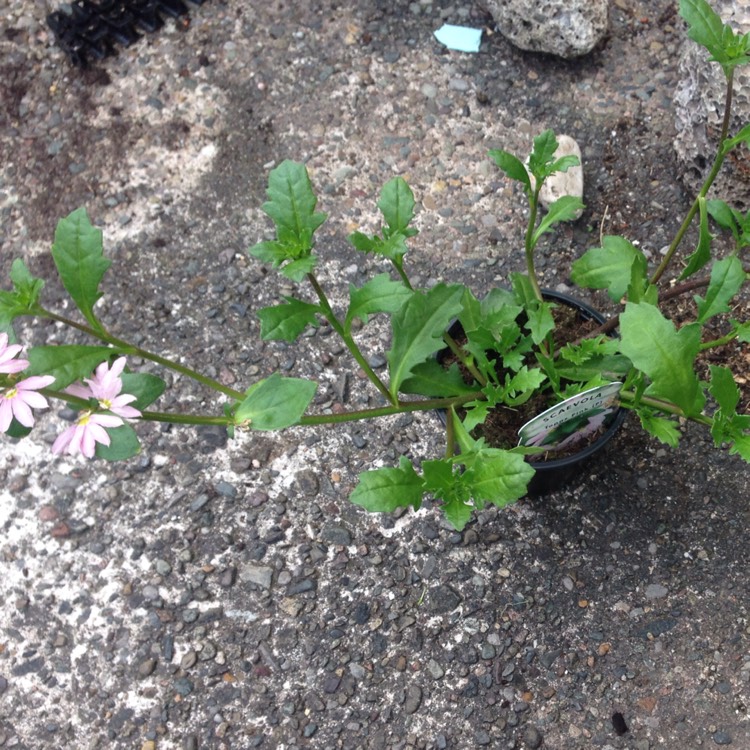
(380, 294)
(78, 256)
(286, 322)
(146, 387)
(664, 354)
(123, 444)
(664, 430)
(66, 363)
(362, 242)
(724, 390)
(612, 367)
(397, 204)
(498, 476)
(540, 321)
(27, 287)
(432, 380)
(298, 269)
(608, 267)
(275, 403)
(586, 349)
(727, 277)
(385, 490)
(565, 208)
(418, 329)
(707, 29)
(702, 253)
(291, 206)
(542, 155)
(512, 166)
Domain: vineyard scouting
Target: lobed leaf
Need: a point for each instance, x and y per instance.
(664, 430)
(609, 267)
(498, 476)
(433, 380)
(380, 294)
(664, 354)
(418, 329)
(78, 256)
(564, 208)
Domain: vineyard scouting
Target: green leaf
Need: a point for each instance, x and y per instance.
(725, 217)
(286, 322)
(664, 430)
(362, 242)
(275, 403)
(77, 252)
(146, 387)
(379, 295)
(385, 490)
(542, 155)
(743, 331)
(586, 349)
(498, 476)
(640, 288)
(612, 367)
(27, 287)
(397, 204)
(444, 480)
(664, 354)
(540, 321)
(66, 363)
(17, 430)
(565, 208)
(433, 380)
(291, 206)
(512, 166)
(123, 444)
(724, 389)
(706, 27)
(727, 277)
(702, 252)
(296, 270)
(742, 137)
(608, 267)
(418, 329)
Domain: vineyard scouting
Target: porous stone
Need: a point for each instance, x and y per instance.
(567, 28)
(699, 110)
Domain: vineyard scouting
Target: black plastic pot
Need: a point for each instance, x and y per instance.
(551, 475)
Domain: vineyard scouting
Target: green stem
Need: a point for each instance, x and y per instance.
(715, 167)
(384, 411)
(718, 342)
(629, 401)
(399, 266)
(450, 439)
(529, 243)
(126, 348)
(463, 359)
(347, 338)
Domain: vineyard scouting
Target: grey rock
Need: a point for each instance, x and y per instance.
(721, 738)
(413, 699)
(699, 110)
(258, 574)
(656, 591)
(567, 28)
(443, 599)
(533, 738)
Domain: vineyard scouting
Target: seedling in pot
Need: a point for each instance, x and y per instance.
(506, 354)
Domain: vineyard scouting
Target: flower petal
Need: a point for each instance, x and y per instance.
(22, 411)
(63, 440)
(6, 414)
(35, 382)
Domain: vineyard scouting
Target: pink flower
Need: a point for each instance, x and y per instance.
(106, 387)
(20, 398)
(8, 364)
(83, 436)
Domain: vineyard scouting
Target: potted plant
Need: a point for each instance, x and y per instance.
(548, 366)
